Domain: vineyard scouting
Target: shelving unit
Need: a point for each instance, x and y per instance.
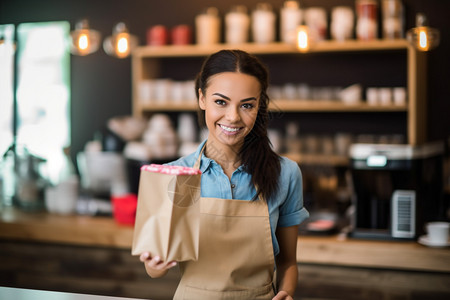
(146, 64)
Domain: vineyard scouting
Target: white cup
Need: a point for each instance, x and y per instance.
(385, 96)
(438, 232)
(399, 95)
(372, 96)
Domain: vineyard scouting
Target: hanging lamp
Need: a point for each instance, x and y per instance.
(423, 37)
(121, 43)
(84, 40)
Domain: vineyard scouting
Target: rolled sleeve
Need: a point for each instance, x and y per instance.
(294, 218)
(292, 211)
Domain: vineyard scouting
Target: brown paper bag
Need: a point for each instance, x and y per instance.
(168, 216)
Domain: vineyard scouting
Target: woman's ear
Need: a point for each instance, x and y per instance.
(201, 100)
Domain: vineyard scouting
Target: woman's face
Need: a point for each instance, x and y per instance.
(231, 104)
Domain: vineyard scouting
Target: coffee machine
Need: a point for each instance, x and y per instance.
(396, 189)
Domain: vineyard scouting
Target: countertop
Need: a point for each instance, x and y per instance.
(31, 294)
(330, 250)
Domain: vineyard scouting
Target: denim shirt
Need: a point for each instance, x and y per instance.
(285, 206)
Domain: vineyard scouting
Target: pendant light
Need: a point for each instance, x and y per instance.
(84, 40)
(121, 43)
(422, 37)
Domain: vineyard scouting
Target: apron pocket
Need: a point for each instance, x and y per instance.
(262, 293)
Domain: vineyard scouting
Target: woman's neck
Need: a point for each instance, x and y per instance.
(227, 157)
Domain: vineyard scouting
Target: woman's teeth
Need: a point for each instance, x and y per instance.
(229, 129)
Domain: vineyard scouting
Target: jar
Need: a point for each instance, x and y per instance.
(207, 26)
(157, 35)
(392, 11)
(263, 24)
(367, 19)
(316, 20)
(291, 17)
(181, 35)
(237, 24)
(342, 23)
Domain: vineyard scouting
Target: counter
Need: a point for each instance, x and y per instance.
(31, 294)
(327, 250)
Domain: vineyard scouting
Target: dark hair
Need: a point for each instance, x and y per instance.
(256, 155)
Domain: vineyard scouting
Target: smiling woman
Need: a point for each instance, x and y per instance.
(251, 198)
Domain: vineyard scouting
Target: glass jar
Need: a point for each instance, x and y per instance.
(290, 19)
(367, 19)
(392, 11)
(237, 24)
(207, 26)
(342, 23)
(316, 20)
(263, 24)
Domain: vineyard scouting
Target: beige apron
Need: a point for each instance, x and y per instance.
(236, 258)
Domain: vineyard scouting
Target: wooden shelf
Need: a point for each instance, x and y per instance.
(287, 106)
(270, 48)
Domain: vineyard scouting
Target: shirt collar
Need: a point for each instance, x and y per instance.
(205, 162)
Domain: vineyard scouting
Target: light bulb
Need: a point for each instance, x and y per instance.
(303, 40)
(84, 40)
(121, 43)
(422, 37)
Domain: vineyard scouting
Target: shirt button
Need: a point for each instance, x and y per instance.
(233, 186)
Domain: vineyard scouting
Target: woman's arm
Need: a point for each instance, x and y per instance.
(287, 272)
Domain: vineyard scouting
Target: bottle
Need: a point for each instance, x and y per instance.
(392, 19)
(8, 178)
(237, 24)
(62, 197)
(263, 24)
(367, 20)
(208, 27)
(316, 20)
(290, 19)
(342, 23)
(29, 182)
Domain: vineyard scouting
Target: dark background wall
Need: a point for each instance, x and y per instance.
(101, 85)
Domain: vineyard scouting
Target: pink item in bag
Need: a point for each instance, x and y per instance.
(171, 170)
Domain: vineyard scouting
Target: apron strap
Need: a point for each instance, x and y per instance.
(199, 158)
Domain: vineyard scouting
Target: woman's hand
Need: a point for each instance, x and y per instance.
(154, 266)
(282, 295)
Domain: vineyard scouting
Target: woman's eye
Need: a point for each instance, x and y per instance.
(247, 106)
(219, 101)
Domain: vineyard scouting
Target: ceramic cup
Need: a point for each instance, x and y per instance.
(438, 232)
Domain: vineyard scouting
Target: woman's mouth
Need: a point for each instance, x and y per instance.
(230, 130)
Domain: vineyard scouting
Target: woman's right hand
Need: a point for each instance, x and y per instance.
(154, 266)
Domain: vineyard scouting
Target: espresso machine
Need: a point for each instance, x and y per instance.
(396, 189)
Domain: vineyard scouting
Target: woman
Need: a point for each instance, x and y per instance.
(242, 243)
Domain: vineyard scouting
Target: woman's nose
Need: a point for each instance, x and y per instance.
(232, 114)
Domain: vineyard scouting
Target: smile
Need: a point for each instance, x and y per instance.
(230, 129)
